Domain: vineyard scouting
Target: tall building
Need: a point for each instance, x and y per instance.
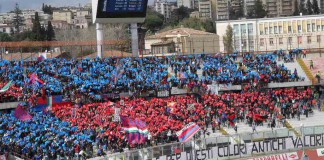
(204, 8)
(268, 34)
(163, 7)
(277, 8)
(193, 4)
(220, 9)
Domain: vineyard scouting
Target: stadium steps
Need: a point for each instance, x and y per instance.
(295, 65)
(291, 128)
(234, 138)
(314, 119)
(306, 70)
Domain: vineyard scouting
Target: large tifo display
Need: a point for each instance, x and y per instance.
(119, 11)
(251, 148)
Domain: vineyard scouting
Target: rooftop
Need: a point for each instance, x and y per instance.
(178, 31)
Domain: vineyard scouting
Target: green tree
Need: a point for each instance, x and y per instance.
(17, 19)
(302, 8)
(5, 37)
(228, 39)
(240, 11)
(37, 29)
(309, 7)
(154, 20)
(257, 10)
(231, 11)
(178, 15)
(296, 12)
(315, 7)
(47, 9)
(50, 34)
(198, 24)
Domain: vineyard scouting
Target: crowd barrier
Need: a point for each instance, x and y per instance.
(224, 147)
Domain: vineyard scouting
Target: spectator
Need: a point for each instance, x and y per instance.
(311, 64)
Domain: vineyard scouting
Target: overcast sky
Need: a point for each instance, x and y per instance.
(8, 5)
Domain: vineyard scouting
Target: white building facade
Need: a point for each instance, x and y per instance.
(268, 34)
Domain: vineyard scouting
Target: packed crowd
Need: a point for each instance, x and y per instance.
(100, 76)
(71, 129)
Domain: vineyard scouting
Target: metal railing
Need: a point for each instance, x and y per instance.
(168, 151)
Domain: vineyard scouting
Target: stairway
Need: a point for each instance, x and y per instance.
(306, 70)
(295, 65)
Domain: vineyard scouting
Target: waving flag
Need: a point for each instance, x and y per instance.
(187, 132)
(6, 87)
(130, 129)
(21, 114)
(136, 130)
(142, 129)
(35, 80)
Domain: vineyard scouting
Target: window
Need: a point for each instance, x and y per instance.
(300, 39)
(322, 27)
(275, 30)
(318, 28)
(318, 38)
(266, 30)
(289, 40)
(299, 29)
(280, 29)
(289, 29)
(261, 42)
(3, 29)
(271, 41)
(261, 32)
(313, 27)
(280, 41)
(270, 30)
(309, 39)
(308, 28)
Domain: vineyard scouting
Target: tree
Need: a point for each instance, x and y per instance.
(240, 11)
(198, 24)
(302, 8)
(231, 12)
(309, 7)
(178, 15)
(17, 19)
(296, 12)
(37, 29)
(5, 37)
(257, 10)
(228, 39)
(50, 34)
(154, 20)
(236, 13)
(47, 9)
(315, 7)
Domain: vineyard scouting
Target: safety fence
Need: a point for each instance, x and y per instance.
(224, 147)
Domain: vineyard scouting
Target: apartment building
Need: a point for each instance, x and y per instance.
(163, 7)
(205, 9)
(274, 33)
(277, 8)
(193, 4)
(63, 15)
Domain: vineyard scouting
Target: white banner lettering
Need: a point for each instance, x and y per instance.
(252, 148)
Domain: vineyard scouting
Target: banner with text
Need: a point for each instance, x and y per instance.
(248, 149)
